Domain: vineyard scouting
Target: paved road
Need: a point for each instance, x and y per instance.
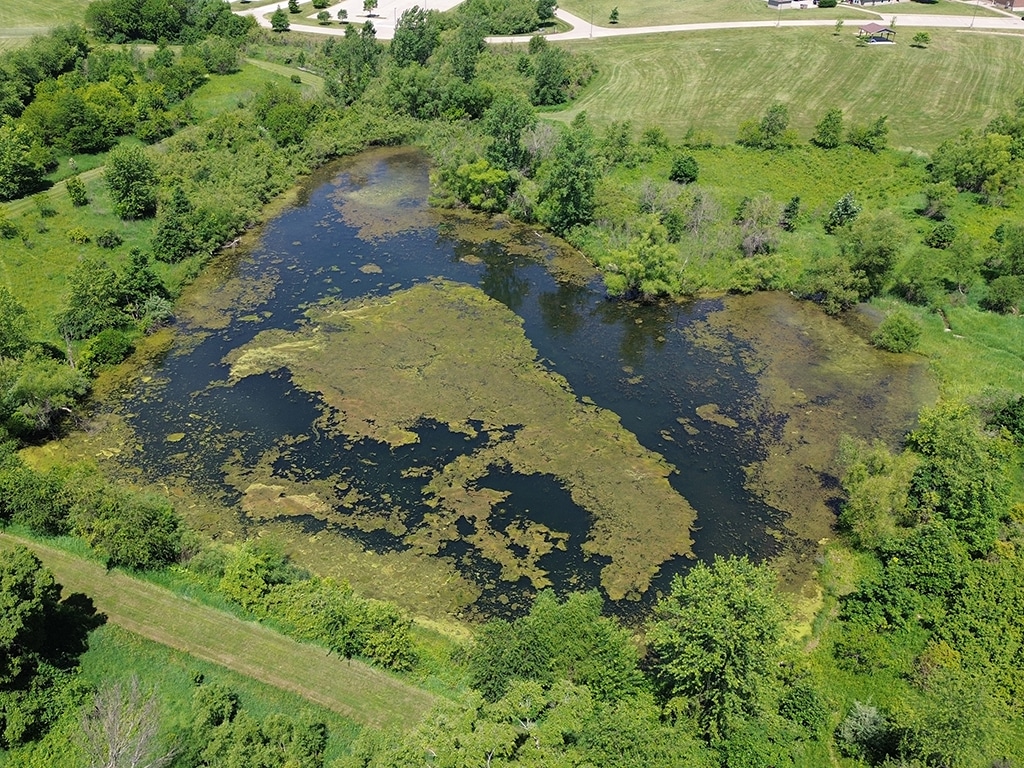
(390, 10)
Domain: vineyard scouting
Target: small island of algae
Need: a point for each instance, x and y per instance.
(448, 353)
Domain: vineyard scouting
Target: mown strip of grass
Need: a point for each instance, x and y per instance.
(350, 688)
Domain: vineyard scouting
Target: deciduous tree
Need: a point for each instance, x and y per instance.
(715, 641)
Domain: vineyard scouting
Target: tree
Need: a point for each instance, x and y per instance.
(684, 168)
(771, 132)
(41, 638)
(550, 77)
(174, 238)
(416, 37)
(324, 17)
(567, 192)
(828, 133)
(838, 29)
(76, 191)
(279, 20)
(871, 247)
(504, 121)
(369, 6)
(131, 178)
(121, 728)
(343, 15)
(13, 325)
(843, 212)
(18, 174)
(320, 4)
(715, 642)
(872, 136)
(921, 39)
(613, 17)
(293, 6)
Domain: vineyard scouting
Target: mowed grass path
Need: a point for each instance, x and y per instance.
(353, 689)
(715, 80)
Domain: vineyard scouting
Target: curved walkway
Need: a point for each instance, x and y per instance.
(389, 11)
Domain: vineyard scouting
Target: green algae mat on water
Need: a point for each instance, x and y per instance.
(446, 352)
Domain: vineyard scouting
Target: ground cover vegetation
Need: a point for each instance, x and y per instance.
(915, 657)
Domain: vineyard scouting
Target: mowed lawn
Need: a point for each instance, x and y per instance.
(715, 80)
(353, 689)
(634, 13)
(20, 19)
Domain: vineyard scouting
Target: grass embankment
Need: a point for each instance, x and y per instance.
(714, 81)
(659, 12)
(350, 688)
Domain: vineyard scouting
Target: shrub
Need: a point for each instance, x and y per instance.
(865, 733)
(827, 3)
(78, 236)
(77, 192)
(1005, 294)
(296, 79)
(684, 169)
(108, 238)
(1011, 418)
(898, 333)
(941, 236)
(109, 347)
(843, 212)
(8, 229)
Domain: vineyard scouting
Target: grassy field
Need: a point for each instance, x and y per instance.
(715, 80)
(20, 20)
(350, 688)
(657, 12)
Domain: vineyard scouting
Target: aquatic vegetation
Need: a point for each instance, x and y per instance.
(446, 352)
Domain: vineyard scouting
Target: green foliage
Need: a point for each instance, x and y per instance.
(961, 478)
(506, 17)
(684, 168)
(647, 266)
(18, 173)
(570, 640)
(262, 580)
(984, 164)
(131, 530)
(613, 17)
(509, 115)
(921, 39)
(843, 212)
(771, 132)
(876, 483)
(715, 642)
(76, 191)
(899, 332)
(1010, 416)
(828, 133)
(569, 179)
(873, 136)
(417, 34)
(827, 3)
(225, 734)
(131, 179)
(37, 393)
(41, 638)
(175, 237)
(279, 20)
(481, 186)
(324, 17)
(866, 733)
(550, 77)
(109, 347)
(13, 325)
(78, 236)
(1005, 294)
(108, 238)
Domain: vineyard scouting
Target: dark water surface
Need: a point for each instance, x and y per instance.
(634, 360)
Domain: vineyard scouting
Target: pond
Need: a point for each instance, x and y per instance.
(446, 410)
